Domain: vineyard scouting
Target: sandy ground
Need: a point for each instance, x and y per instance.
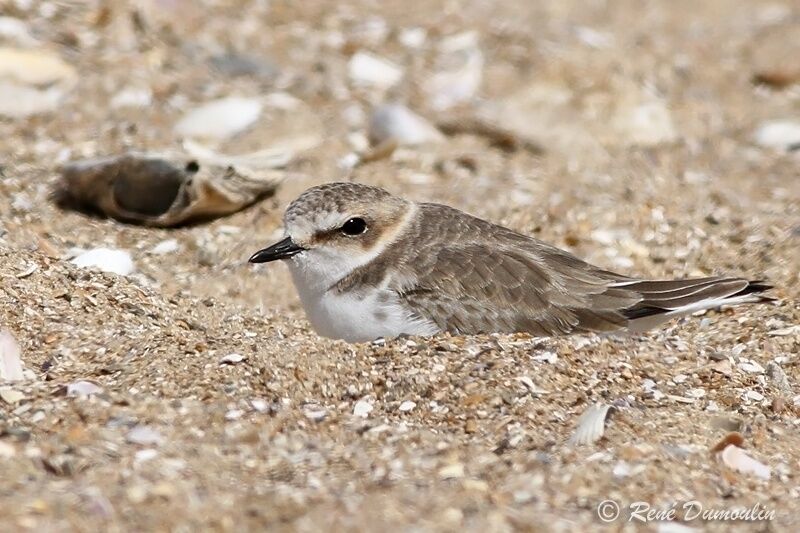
(646, 112)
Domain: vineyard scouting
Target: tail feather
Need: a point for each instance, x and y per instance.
(714, 291)
(664, 300)
(667, 286)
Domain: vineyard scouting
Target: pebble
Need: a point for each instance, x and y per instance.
(784, 332)
(413, 38)
(778, 376)
(165, 247)
(232, 359)
(261, 406)
(358, 141)
(779, 135)
(225, 229)
(546, 357)
(398, 123)
(283, 101)
(19, 101)
(144, 435)
(7, 450)
(234, 414)
(11, 396)
(417, 178)
(362, 408)
(220, 119)
(407, 406)
(234, 64)
(14, 29)
(624, 469)
(648, 124)
(696, 393)
(106, 259)
(38, 68)
(373, 31)
(753, 395)
(680, 399)
(453, 471)
(459, 73)
(317, 415)
(22, 203)
(353, 116)
(32, 81)
(147, 454)
(750, 366)
(132, 98)
(594, 38)
(366, 69)
(348, 161)
(83, 388)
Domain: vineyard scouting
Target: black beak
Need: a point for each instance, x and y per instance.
(280, 250)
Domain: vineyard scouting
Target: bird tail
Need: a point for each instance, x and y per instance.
(665, 300)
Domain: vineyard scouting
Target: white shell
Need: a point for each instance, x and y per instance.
(591, 425)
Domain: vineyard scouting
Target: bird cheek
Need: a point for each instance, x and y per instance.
(368, 240)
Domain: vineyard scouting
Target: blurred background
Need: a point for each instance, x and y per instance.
(658, 138)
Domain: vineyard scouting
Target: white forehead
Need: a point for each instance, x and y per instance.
(305, 225)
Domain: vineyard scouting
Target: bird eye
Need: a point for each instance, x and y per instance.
(354, 226)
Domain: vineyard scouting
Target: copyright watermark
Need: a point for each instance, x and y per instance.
(610, 511)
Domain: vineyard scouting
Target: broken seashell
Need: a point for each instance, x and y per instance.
(276, 156)
(737, 459)
(152, 191)
(591, 425)
(10, 361)
(783, 332)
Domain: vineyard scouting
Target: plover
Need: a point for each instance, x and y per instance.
(368, 264)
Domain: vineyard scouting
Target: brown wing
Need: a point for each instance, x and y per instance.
(478, 288)
(470, 276)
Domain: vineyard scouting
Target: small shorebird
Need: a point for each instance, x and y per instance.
(369, 264)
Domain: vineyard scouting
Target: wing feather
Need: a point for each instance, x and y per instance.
(469, 276)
